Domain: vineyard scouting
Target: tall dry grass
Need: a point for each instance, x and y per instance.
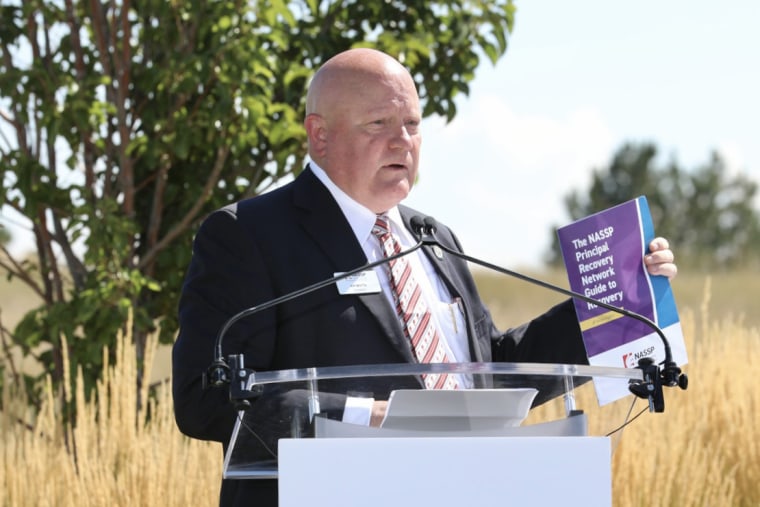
(117, 454)
(703, 450)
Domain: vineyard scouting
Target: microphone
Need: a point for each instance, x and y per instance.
(654, 378)
(218, 374)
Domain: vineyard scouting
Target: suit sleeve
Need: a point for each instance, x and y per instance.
(225, 276)
(553, 337)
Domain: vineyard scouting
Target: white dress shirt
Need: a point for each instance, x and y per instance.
(446, 310)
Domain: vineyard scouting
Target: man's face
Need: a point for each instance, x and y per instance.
(372, 140)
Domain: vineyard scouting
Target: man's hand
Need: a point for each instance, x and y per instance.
(378, 413)
(660, 260)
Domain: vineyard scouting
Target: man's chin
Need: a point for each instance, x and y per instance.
(383, 201)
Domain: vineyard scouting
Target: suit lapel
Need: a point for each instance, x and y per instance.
(323, 220)
(388, 320)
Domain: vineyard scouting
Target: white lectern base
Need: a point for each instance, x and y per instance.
(456, 472)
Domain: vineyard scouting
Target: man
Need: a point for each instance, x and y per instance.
(362, 121)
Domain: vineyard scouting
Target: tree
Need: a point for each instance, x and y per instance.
(123, 123)
(707, 214)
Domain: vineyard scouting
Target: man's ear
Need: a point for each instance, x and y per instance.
(316, 132)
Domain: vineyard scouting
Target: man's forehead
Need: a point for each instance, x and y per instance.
(394, 105)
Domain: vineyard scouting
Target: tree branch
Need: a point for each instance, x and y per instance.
(156, 212)
(89, 153)
(76, 267)
(181, 226)
(121, 61)
(17, 270)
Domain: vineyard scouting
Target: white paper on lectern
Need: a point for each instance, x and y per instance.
(458, 409)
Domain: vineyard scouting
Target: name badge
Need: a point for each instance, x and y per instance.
(365, 282)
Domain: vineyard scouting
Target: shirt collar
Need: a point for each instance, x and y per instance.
(360, 218)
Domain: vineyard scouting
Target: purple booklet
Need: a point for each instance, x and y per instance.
(603, 255)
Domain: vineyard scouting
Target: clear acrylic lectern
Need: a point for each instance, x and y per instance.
(295, 407)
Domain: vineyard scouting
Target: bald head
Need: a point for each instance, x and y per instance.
(348, 73)
(362, 119)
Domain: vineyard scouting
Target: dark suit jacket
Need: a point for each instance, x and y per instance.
(261, 248)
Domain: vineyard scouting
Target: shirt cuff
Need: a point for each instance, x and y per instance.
(358, 410)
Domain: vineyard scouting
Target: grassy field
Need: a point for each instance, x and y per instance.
(703, 451)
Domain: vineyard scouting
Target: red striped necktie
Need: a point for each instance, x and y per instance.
(413, 310)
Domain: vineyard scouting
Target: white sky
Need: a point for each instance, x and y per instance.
(578, 80)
